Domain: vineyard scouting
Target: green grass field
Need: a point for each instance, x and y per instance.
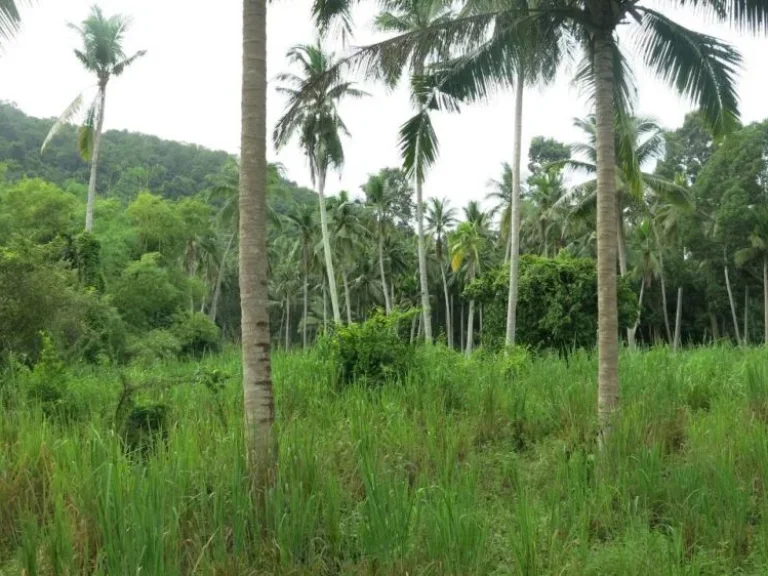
(486, 466)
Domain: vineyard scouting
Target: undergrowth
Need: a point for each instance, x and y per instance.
(480, 466)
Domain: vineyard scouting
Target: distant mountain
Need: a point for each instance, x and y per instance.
(129, 161)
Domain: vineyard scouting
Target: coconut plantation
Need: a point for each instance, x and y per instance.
(413, 287)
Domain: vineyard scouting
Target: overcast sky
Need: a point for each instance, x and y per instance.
(187, 88)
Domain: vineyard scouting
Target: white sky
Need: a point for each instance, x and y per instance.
(187, 88)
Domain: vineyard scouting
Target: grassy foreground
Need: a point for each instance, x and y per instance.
(485, 466)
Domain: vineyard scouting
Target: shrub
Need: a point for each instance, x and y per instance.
(197, 334)
(557, 303)
(145, 295)
(373, 351)
(153, 346)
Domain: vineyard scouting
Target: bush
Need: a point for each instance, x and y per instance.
(197, 334)
(557, 303)
(146, 296)
(373, 351)
(154, 346)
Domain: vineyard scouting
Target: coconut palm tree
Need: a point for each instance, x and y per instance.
(417, 146)
(303, 219)
(698, 66)
(545, 192)
(379, 198)
(648, 264)
(349, 232)
(258, 402)
(312, 112)
(501, 195)
(102, 54)
(467, 244)
(440, 218)
(757, 251)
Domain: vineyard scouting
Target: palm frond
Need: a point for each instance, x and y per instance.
(66, 117)
(120, 67)
(700, 67)
(86, 132)
(418, 144)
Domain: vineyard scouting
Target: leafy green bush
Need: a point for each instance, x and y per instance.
(197, 334)
(372, 351)
(156, 345)
(557, 303)
(48, 383)
(145, 295)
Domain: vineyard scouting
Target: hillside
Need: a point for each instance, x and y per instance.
(129, 161)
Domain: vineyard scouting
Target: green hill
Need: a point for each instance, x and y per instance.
(129, 161)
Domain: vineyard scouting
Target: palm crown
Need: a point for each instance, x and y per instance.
(313, 97)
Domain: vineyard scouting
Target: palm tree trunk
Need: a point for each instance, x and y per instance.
(514, 255)
(678, 318)
(387, 303)
(448, 328)
(634, 328)
(287, 323)
(95, 158)
(733, 305)
(622, 247)
(746, 315)
(347, 301)
(254, 299)
(660, 248)
(327, 247)
(607, 230)
(219, 279)
(621, 240)
(325, 308)
(461, 331)
(470, 326)
(765, 300)
(306, 301)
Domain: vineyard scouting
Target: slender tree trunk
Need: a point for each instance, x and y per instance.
(634, 328)
(470, 328)
(461, 331)
(607, 230)
(733, 305)
(765, 300)
(448, 327)
(678, 318)
(481, 323)
(327, 247)
(393, 301)
(746, 315)
(347, 301)
(254, 298)
(621, 239)
(667, 327)
(306, 302)
(660, 248)
(325, 308)
(280, 333)
(421, 327)
(514, 255)
(95, 157)
(219, 279)
(287, 323)
(387, 303)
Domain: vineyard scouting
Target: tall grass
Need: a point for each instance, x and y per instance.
(480, 466)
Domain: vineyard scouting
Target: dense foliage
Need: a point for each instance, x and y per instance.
(557, 300)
